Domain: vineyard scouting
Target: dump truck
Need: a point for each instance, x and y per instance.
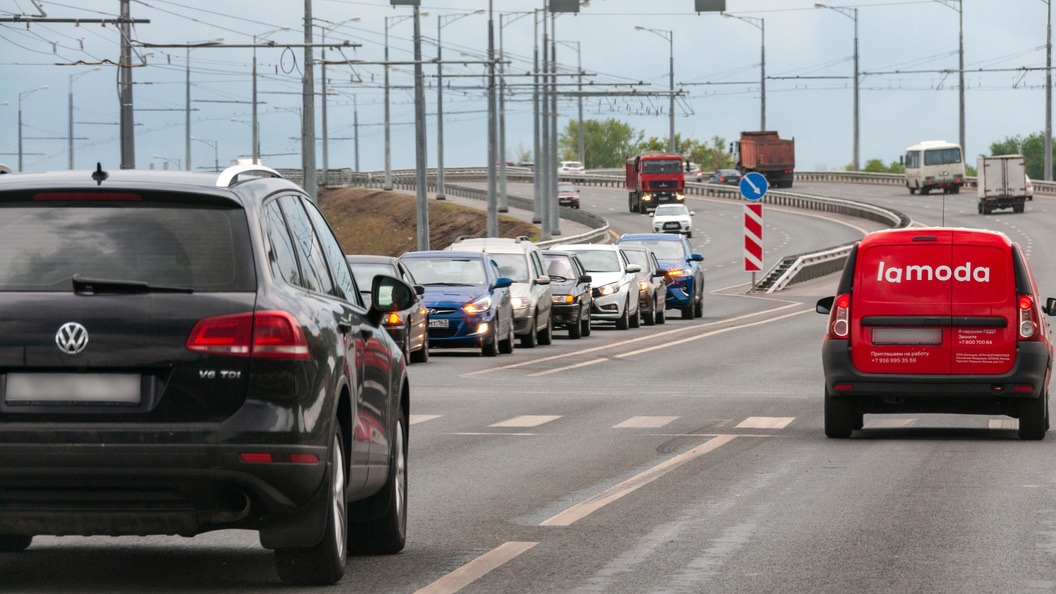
(766, 153)
(1001, 182)
(654, 177)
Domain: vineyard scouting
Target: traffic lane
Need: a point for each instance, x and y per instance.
(739, 516)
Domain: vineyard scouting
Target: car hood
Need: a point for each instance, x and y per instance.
(438, 296)
(569, 194)
(670, 264)
(561, 287)
(603, 278)
(679, 218)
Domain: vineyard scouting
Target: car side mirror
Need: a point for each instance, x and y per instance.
(390, 294)
(634, 268)
(651, 213)
(692, 214)
(659, 272)
(824, 305)
(585, 278)
(419, 290)
(503, 282)
(543, 280)
(696, 258)
(1050, 306)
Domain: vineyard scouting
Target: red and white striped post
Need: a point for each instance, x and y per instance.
(753, 238)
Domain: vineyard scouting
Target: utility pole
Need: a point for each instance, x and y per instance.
(493, 206)
(537, 194)
(1048, 93)
(551, 199)
(355, 130)
(851, 13)
(308, 109)
(255, 125)
(422, 190)
(187, 118)
(326, 148)
(542, 160)
(128, 139)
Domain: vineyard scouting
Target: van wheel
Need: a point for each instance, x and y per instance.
(912, 190)
(924, 190)
(1034, 417)
(839, 417)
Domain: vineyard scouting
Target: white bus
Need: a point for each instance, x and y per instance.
(934, 165)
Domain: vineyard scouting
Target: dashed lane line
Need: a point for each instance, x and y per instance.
(477, 568)
(608, 347)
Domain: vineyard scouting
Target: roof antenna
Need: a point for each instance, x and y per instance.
(99, 175)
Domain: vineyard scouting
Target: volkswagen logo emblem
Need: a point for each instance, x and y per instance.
(72, 338)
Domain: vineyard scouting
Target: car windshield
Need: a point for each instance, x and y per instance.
(664, 249)
(512, 266)
(364, 274)
(200, 249)
(598, 260)
(563, 187)
(637, 257)
(447, 271)
(671, 210)
(559, 266)
(662, 166)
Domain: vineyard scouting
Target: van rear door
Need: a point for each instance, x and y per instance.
(901, 304)
(984, 304)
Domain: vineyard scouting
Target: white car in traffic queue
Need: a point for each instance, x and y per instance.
(614, 283)
(673, 218)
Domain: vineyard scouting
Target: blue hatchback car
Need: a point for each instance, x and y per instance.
(469, 303)
(686, 270)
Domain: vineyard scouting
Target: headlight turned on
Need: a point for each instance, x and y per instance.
(608, 289)
(564, 299)
(520, 303)
(478, 306)
(643, 285)
(677, 272)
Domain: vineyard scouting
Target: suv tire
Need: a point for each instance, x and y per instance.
(839, 417)
(1034, 417)
(387, 534)
(324, 563)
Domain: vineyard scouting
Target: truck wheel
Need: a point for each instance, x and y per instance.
(955, 190)
(912, 190)
(1017, 208)
(839, 417)
(924, 190)
(1034, 417)
(630, 202)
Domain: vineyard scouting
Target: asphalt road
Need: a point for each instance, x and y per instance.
(687, 457)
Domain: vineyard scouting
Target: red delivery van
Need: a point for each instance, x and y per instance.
(936, 320)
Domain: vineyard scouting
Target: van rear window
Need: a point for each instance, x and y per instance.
(199, 248)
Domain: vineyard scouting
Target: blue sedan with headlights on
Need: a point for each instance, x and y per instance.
(469, 303)
(684, 268)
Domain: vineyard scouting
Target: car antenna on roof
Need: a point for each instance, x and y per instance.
(99, 175)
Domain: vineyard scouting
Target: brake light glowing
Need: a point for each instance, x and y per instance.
(1027, 327)
(272, 334)
(841, 326)
(278, 457)
(643, 285)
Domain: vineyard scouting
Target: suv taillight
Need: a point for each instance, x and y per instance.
(841, 315)
(1027, 326)
(272, 334)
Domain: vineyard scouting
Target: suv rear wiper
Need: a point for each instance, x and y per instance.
(98, 285)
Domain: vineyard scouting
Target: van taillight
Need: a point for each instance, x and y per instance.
(841, 326)
(272, 334)
(1027, 327)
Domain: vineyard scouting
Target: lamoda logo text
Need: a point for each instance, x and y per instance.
(963, 273)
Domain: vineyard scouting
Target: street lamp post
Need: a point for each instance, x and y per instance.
(760, 24)
(322, 75)
(441, 20)
(388, 144)
(960, 24)
(216, 151)
(851, 13)
(579, 71)
(1048, 92)
(670, 37)
(74, 77)
(167, 160)
(22, 95)
(503, 198)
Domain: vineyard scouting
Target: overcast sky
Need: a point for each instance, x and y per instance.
(897, 110)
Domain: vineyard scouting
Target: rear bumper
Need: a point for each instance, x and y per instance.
(881, 392)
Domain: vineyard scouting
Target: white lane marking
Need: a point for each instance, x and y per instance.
(415, 419)
(567, 367)
(765, 422)
(1004, 423)
(888, 423)
(477, 568)
(608, 347)
(644, 422)
(707, 334)
(593, 504)
(526, 421)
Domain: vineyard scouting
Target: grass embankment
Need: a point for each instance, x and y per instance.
(385, 223)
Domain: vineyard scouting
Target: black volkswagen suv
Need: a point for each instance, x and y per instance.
(182, 353)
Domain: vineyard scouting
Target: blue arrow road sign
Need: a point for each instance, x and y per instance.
(754, 186)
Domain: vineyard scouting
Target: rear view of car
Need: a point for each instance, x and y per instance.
(936, 320)
(176, 359)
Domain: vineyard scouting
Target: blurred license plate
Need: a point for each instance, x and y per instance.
(100, 388)
(438, 323)
(907, 335)
(671, 225)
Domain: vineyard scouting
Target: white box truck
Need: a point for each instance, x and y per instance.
(1001, 182)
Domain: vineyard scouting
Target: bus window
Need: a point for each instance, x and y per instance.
(943, 156)
(913, 160)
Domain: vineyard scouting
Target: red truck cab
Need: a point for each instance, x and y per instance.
(654, 177)
(937, 320)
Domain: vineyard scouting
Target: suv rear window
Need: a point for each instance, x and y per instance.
(201, 248)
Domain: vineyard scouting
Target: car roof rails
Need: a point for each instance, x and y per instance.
(230, 176)
(521, 238)
(461, 237)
